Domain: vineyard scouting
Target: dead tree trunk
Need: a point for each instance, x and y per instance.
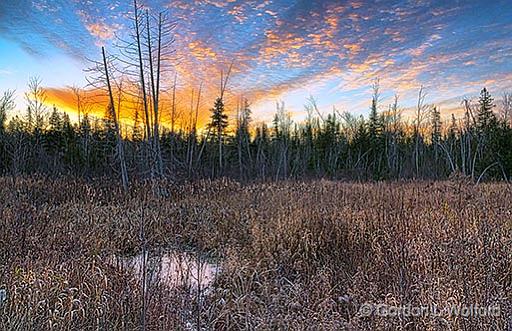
(155, 91)
(143, 85)
(119, 144)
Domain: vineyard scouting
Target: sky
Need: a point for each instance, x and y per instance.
(281, 50)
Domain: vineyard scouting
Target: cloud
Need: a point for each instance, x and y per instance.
(5, 72)
(102, 30)
(280, 46)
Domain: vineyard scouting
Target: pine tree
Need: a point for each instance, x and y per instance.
(485, 116)
(219, 123)
(245, 118)
(374, 124)
(436, 125)
(276, 132)
(219, 120)
(360, 144)
(55, 120)
(488, 139)
(53, 136)
(243, 121)
(452, 130)
(137, 134)
(262, 145)
(375, 131)
(108, 132)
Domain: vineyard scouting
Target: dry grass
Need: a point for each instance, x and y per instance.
(293, 255)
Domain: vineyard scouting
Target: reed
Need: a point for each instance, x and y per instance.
(291, 255)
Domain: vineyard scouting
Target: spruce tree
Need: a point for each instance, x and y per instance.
(485, 116)
(55, 120)
(219, 123)
(487, 129)
(53, 136)
(218, 120)
(375, 134)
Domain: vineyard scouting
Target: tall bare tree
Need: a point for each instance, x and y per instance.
(506, 108)
(102, 79)
(114, 114)
(146, 54)
(422, 112)
(6, 105)
(36, 98)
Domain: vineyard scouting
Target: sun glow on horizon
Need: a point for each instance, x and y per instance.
(281, 50)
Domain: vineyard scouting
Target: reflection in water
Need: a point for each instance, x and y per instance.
(173, 269)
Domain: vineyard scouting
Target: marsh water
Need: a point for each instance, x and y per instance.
(171, 268)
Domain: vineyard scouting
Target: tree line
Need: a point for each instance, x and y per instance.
(385, 145)
(336, 145)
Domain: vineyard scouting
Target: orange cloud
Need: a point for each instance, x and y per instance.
(102, 30)
(200, 51)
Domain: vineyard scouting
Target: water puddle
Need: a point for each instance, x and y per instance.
(172, 268)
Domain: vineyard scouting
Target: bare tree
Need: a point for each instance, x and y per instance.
(36, 105)
(349, 124)
(282, 129)
(506, 109)
(192, 134)
(393, 128)
(6, 104)
(137, 27)
(114, 114)
(146, 54)
(157, 57)
(173, 107)
(101, 78)
(243, 119)
(312, 105)
(422, 113)
(81, 103)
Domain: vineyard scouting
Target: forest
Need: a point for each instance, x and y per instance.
(337, 145)
(139, 72)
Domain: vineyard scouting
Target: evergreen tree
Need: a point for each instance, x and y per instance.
(452, 130)
(137, 134)
(486, 118)
(55, 120)
(53, 137)
(276, 132)
(261, 141)
(219, 123)
(218, 120)
(488, 131)
(375, 134)
(374, 123)
(245, 117)
(327, 140)
(436, 126)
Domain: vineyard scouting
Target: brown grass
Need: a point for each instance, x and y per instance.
(292, 255)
